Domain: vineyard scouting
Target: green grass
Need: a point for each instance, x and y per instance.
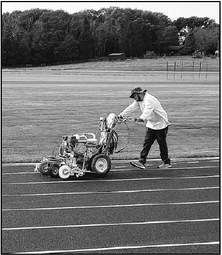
(40, 105)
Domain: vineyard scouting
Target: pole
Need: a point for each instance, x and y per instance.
(167, 70)
(200, 69)
(206, 70)
(181, 74)
(174, 69)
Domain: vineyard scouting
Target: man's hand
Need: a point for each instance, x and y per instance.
(120, 117)
(139, 120)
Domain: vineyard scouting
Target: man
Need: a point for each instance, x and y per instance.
(157, 125)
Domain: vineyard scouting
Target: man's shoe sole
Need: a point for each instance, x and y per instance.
(164, 167)
(134, 164)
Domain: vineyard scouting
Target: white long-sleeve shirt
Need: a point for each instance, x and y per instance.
(152, 112)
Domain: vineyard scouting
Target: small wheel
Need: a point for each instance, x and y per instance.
(101, 164)
(64, 172)
(54, 172)
(45, 168)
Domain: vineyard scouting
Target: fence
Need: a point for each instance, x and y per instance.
(179, 68)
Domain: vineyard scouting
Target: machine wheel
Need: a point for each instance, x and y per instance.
(64, 172)
(54, 172)
(45, 168)
(101, 164)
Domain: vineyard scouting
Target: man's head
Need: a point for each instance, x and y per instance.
(137, 94)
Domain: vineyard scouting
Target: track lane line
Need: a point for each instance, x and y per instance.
(109, 192)
(108, 206)
(131, 247)
(133, 169)
(112, 180)
(112, 224)
(174, 160)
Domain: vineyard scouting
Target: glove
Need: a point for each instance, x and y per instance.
(120, 117)
(139, 120)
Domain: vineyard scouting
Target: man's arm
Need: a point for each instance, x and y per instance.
(131, 108)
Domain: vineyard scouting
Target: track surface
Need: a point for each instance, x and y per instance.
(130, 211)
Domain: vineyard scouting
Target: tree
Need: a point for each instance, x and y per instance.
(167, 37)
(191, 22)
(123, 26)
(54, 28)
(68, 49)
(44, 36)
(206, 39)
(11, 54)
(38, 45)
(198, 34)
(81, 29)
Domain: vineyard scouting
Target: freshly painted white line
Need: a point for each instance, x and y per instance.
(18, 173)
(123, 160)
(113, 224)
(113, 180)
(109, 192)
(108, 206)
(116, 169)
(122, 248)
(18, 164)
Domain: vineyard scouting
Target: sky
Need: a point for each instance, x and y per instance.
(172, 9)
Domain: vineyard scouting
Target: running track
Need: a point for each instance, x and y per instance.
(130, 211)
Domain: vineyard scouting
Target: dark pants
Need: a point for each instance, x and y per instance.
(150, 137)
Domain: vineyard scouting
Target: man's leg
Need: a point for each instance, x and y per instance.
(150, 137)
(161, 139)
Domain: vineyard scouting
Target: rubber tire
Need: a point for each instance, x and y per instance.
(101, 164)
(54, 172)
(64, 172)
(44, 168)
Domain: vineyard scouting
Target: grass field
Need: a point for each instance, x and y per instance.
(40, 105)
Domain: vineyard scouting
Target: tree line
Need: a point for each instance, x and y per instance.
(39, 36)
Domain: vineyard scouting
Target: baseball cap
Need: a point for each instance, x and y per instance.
(136, 91)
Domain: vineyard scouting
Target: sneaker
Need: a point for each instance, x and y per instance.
(138, 164)
(165, 165)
